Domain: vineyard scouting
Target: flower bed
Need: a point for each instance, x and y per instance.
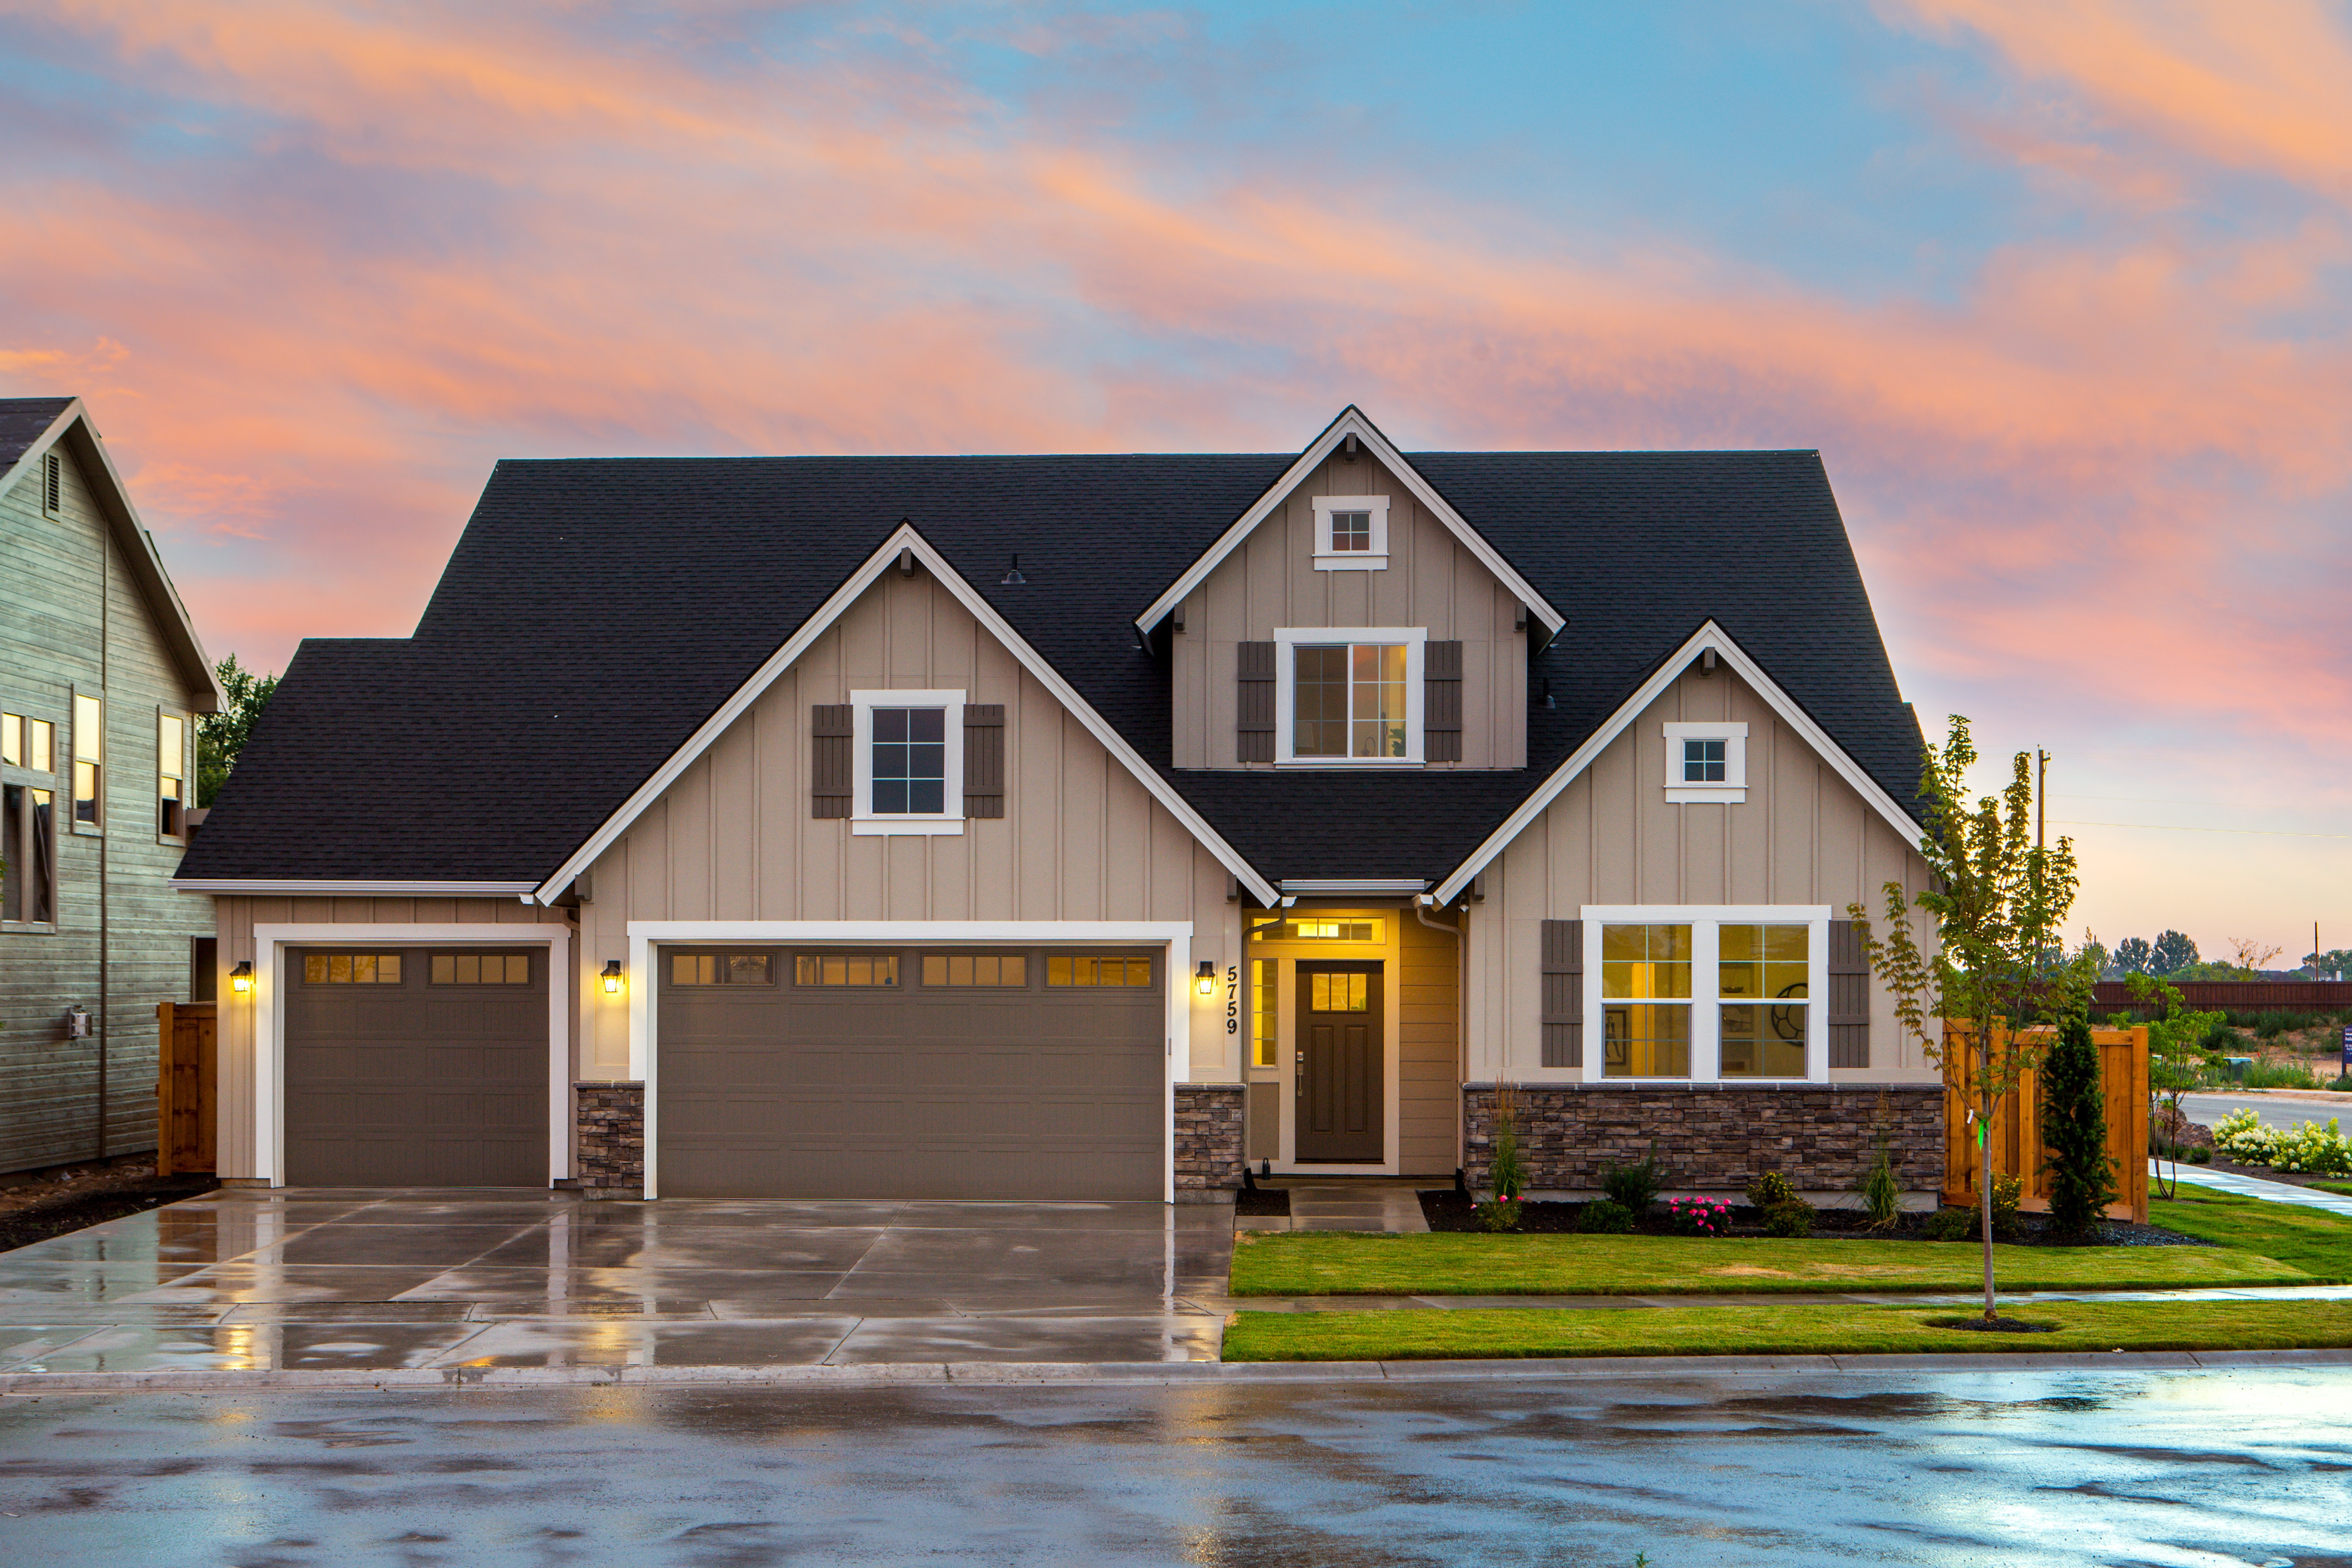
(2315, 1146)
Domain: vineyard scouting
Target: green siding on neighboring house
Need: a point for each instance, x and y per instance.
(73, 619)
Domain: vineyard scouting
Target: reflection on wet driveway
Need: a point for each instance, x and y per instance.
(239, 1281)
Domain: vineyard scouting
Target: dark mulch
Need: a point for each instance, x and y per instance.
(1262, 1203)
(1452, 1211)
(86, 1197)
(1994, 1325)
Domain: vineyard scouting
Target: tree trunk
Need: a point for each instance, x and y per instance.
(1984, 1155)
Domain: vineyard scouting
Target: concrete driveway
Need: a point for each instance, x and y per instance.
(319, 1277)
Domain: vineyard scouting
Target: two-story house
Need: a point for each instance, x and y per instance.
(101, 678)
(1064, 826)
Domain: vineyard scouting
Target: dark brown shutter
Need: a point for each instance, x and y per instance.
(1563, 993)
(1849, 997)
(983, 759)
(832, 773)
(1441, 702)
(1254, 730)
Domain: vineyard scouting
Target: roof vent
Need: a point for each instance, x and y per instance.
(1348, 448)
(1014, 579)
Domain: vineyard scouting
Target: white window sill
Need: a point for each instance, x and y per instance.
(1706, 795)
(904, 827)
(1351, 560)
(1344, 762)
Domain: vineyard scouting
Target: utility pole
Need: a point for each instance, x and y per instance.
(2041, 789)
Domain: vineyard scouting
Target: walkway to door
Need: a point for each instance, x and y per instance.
(1346, 1203)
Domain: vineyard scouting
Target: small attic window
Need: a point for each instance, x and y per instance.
(53, 482)
(1351, 533)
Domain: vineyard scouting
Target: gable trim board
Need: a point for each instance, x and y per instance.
(226, 885)
(905, 537)
(269, 942)
(1351, 423)
(1669, 670)
(644, 1054)
(72, 431)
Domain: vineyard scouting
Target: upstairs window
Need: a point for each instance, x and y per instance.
(171, 775)
(1707, 763)
(27, 855)
(1351, 533)
(89, 748)
(1356, 700)
(27, 743)
(907, 750)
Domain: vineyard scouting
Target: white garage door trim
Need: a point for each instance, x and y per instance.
(269, 942)
(1174, 936)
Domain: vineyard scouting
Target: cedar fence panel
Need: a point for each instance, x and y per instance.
(2016, 1127)
(187, 1078)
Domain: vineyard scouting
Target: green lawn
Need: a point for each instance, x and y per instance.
(2335, 1187)
(1792, 1328)
(2311, 1239)
(1322, 1263)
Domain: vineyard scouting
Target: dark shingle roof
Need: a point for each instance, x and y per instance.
(23, 421)
(596, 611)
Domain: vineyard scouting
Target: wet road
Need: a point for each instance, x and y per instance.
(2215, 1468)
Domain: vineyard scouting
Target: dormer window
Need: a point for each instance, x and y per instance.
(1707, 763)
(1351, 533)
(1349, 695)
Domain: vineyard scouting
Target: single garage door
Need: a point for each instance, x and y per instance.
(912, 1072)
(416, 1067)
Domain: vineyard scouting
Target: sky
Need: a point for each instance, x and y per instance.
(2060, 290)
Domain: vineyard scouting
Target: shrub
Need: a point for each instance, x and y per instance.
(1698, 1215)
(1948, 1225)
(1633, 1188)
(2006, 1191)
(1501, 1214)
(1794, 1218)
(1770, 1191)
(2198, 1155)
(1604, 1216)
(2074, 1132)
(1509, 1174)
(2262, 1074)
(2314, 1147)
(1881, 1199)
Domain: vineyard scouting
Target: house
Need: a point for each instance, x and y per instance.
(100, 680)
(1058, 826)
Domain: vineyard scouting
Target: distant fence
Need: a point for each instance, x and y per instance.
(2242, 996)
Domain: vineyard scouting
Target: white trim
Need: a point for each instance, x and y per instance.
(1355, 887)
(905, 537)
(1705, 921)
(1733, 789)
(269, 1020)
(1174, 936)
(354, 889)
(864, 820)
(1708, 635)
(1373, 560)
(1289, 640)
(1351, 422)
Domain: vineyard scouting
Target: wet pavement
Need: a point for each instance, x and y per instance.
(2240, 1466)
(319, 1280)
(2254, 1187)
(2272, 1110)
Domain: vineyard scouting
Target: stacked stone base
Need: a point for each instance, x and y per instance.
(1823, 1137)
(1209, 1141)
(611, 1161)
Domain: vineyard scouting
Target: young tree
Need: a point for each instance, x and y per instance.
(2176, 1062)
(221, 735)
(2074, 1131)
(2253, 954)
(2173, 952)
(1999, 903)
(2133, 956)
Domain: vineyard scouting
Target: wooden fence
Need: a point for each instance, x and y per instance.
(2017, 1128)
(2242, 996)
(186, 1075)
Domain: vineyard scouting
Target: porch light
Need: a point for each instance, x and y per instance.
(240, 980)
(1204, 980)
(612, 977)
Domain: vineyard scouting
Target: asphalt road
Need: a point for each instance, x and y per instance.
(2247, 1467)
(2270, 1110)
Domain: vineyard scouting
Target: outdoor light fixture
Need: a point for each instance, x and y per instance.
(612, 977)
(240, 980)
(1014, 579)
(1205, 980)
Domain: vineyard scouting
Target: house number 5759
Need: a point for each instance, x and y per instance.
(1232, 999)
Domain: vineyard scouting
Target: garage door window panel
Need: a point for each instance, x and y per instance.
(351, 968)
(1095, 970)
(722, 969)
(1000, 971)
(481, 969)
(851, 970)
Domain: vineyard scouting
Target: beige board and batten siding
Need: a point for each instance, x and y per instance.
(734, 838)
(238, 914)
(1271, 581)
(1803, 836)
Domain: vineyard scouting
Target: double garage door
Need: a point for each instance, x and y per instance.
(910, 1072)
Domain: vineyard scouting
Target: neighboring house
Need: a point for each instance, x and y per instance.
(1081, 826)
(100, 680)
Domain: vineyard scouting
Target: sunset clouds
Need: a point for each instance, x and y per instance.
(2059, 288)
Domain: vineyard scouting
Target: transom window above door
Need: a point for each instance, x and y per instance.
(1349, 695)
(908, 752)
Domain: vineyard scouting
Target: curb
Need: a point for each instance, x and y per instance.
(985, 1374)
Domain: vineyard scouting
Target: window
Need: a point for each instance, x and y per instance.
(481, 969)
(1351, 533)
(351, 968)
(1349, 695)
(1265, 1013)
(1763, 1036)
(29, 849)
(170, 773)
(975, 969)
(1347, 993)
(1315, 930)
(1708, 993)
(845, 970)
(1066, 970)
(1645, 987)
(1707, 763)
(53, 482)
(88, 744)
(720, 969)
(909, 750)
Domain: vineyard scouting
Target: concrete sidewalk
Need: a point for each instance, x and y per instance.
(2254, 1187)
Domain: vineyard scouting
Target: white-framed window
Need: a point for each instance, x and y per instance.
(1348, 696)
(907, 751)
(1351, 533)
(1707, 762)
(170, 774)
(1706, 993)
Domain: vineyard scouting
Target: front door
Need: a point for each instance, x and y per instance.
(1339, 1077)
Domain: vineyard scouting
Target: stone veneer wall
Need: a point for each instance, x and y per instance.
(1209, 1154)
(1823, 1137)
(612, 1124)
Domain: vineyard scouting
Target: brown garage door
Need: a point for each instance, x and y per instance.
(914, 1072)
(416, 1067)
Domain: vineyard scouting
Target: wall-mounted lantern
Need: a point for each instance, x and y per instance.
(240, 980)
(612, 977)
(1204, 980)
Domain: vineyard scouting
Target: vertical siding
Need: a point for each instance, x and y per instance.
(1429, 581)
(1428, 1039)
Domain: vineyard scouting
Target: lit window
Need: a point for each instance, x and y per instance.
(1065, 969)
(1763, 988)
(1265, 1013)
(975, 969)
(845, 970)
(88, 745)
(481, 969)
(1645, 987)
(351, 968)
(1350, 701)
(719, 969)
(170, 774)
(1349, 993)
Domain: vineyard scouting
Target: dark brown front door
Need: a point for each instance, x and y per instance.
(1339, 1063)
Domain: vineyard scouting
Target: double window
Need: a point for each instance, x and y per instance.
(908, 758)
(1349, 695)
(1721, 994)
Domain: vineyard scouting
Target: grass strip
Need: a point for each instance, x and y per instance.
(1783, 1329)
(2311, 1239)
(1338, 1263)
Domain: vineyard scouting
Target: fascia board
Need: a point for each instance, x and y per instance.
(906, 537)
(227, 886)
(1708, 635)
(1352, 422)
